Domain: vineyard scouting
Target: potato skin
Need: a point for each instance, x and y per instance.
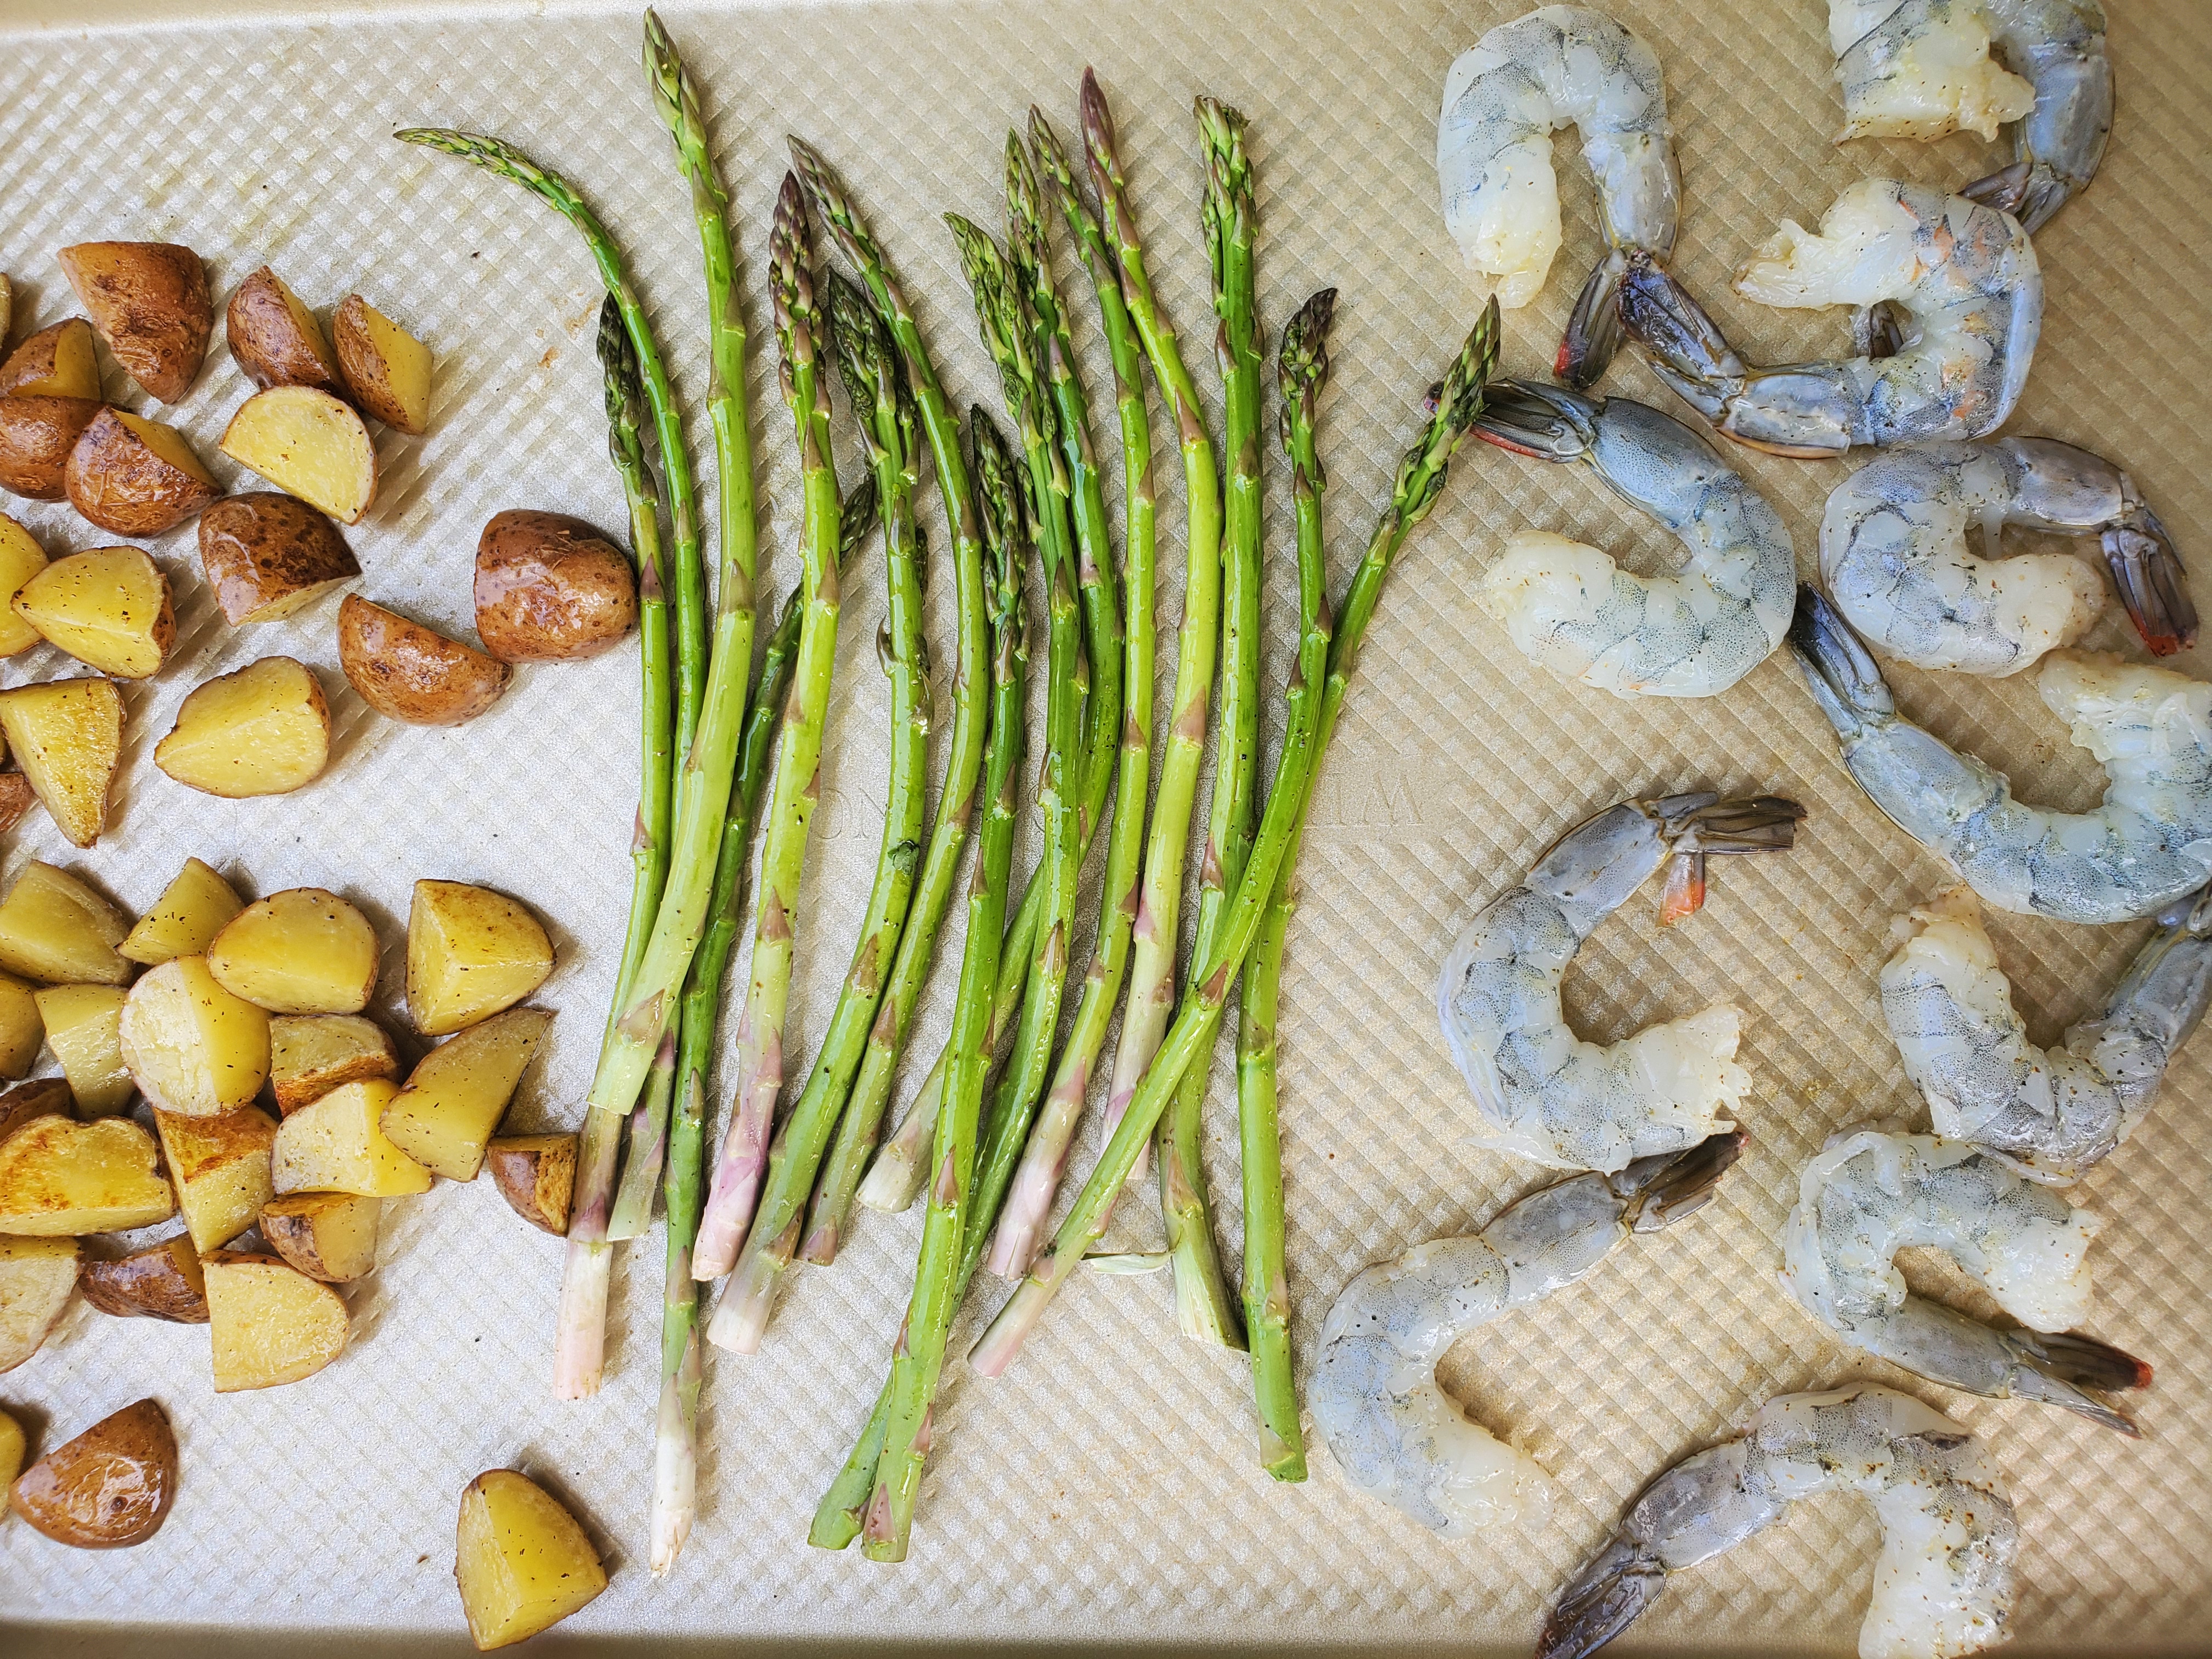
(36, 437)
(267, 554)
(110, 1487)
(114, 480)
(411, 672)
(370, 373)
(45, 1096)
(149, 302)
(36, 363)
(16, 798)
(551, 587)
(160, 1282)
(537, 1177)
(269, 341)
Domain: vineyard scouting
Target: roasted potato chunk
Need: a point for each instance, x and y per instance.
(471, 953)
(11, 1431)
(549, 587)
(269, 1323)
(411, 672)
(22, 1030)
(311, 1054)
(300, 951)
(67, 735)
(49, 1097)
(275, 339)
(20, 559)
(263, 729)
(108, 607)
(193, 1046)
(37, 435)
(110, 1487)
(307, 442)
(160, 1282)
(221, 1169)
(36, 1278)
(135, 477)
(267, 555)
(387, 368)
(326, 1236)
(455, 1098)
(84, 1028)
(183, 921)
(62, 1179)
(537, 1177)
(149, 302)
(57, 362)
(55, 929)
(335, 1144)
(520, 1560)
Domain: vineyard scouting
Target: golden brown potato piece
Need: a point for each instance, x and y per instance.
(186, 919)
(471, 953)
(62, 1179)
(36, 1278)
(326, 1236)
(275, 339)
(268, 554)
(20, 559)
(520, 1560)
(160, 1282)
(22, 1029)
(307, 442)
(84, 1028)
(135, 477)
(149, 302)
(271, 1324)
(411, 672)
(335, 1145)
(455, 1098)
(311, 1054)
(37, 435)
(387, 368)
(108, 607)
(300, 951)
(48, 1096)
(537, 1176)
(549, 587)
(67, 735)
(57, 362)
(56, 930)
(110, 1487)
(222, 1170)
(263, 729)
(11, 1431)
(193, 1046)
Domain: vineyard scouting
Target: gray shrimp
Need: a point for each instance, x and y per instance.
(2148, 845)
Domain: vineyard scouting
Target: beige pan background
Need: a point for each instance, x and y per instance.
(1106, 1489)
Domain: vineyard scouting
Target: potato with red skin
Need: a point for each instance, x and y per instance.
(149, 302)
(275, 339)
(267, 554)
(133, 476)
(162, 1281)
(110, 1487)
(386, 369)
(549, 588)
(55, 362)
(537, 1177)
(411, 672)
(36, 437)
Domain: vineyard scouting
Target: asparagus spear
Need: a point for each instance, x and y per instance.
(876, 385)
(736, 1182)
(1301, 373)
(1420, 479)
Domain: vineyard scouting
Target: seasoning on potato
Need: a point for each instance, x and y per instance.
(455, 1098)
(471, 953)
(275, 339)
(162, 1281)
(520, 1561)
(311, 1054)
(537, 1177)
(56, 929)
(37, 1277)
(221, 1166)
(110, 1487)
(306, 441)
(67, 735)
(549, 588)
(267, 554)
(36, 437)
(57, 361)
(186, 919)
(387, 368)
(192, 1046)
(109, 607)
(335, 1145)
(263, 729)
(303, 950)
(149, 302)
(411, 672)
(330, 1236)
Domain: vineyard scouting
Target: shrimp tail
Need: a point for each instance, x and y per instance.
(1545, 423)
(2058, 1370)
(2029, 191)
(2152, 584)
(1602, 1600)
(1664, 1190)
(1838, 670)
(1703, 823)
(1594, 327)
(1687, 347)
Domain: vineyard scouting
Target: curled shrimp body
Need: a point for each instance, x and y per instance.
(2049, 1114)
(1944, 1582)
(1920, 68)
(1504, 98)
(1962, 277)
(1871, 1193)
(1542, 1093)
(2148, 845)
(1568, 607)
(1396, 1434)
(1894, 554)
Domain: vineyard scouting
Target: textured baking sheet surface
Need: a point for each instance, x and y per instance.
(1106, 1489)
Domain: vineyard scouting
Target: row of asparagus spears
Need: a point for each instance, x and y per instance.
(728, 746)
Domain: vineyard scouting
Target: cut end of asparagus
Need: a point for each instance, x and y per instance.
(741, 1320)
(580, 1337)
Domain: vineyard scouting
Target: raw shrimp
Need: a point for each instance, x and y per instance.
(1504, 98)
(1399, 1437)
(1871, 1193)
(1894, 553)
(2050, 1113)
(2059, 46)
(1570, 608)
(1542, 1093)
(2148, 844)
(1963, 279)
(1943, 1582)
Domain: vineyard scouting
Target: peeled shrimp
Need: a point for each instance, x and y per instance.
(2049, 1114)
(1894, 553)
(1399, 1437)
(2149, 843)
(1504, 98)
(1943, 1582)
(1544, 1094)
(1871, 1193)
(1963, 279)
(1569, 608)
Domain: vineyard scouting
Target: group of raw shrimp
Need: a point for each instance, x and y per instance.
(1949, 300)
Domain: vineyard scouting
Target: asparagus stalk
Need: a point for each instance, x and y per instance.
(1301, 373)
(737, 1175)
(1231, 219)
(1420, 482)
